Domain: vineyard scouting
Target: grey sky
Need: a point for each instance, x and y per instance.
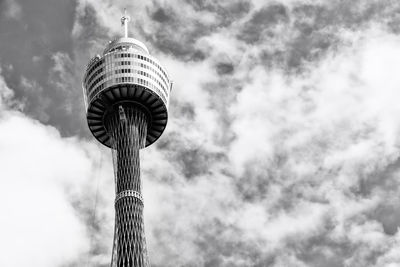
(282, 146)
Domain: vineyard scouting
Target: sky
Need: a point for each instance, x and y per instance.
(282, 146)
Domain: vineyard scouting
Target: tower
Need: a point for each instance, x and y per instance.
(126, 93)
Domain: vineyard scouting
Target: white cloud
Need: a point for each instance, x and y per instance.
(13, 9)
(42, 176)
(334, 126)
(305, 151)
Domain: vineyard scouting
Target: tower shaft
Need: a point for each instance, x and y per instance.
(126, 94)
(127, 127)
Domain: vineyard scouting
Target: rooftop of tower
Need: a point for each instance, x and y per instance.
(125, 73)
(125, 43)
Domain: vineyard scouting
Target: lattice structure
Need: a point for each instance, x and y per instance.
(127, 127)
(126, 93)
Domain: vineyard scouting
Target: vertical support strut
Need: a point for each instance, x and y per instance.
(128, 128)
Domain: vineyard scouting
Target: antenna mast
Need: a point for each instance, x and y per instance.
(124, 21)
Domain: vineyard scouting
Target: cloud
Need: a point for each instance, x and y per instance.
(13, 9)
(6, 95)
(281, 147)
(46, 183)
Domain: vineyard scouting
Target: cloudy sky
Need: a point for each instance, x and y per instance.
(282, 146)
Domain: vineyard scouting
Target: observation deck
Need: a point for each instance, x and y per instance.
(126, 74)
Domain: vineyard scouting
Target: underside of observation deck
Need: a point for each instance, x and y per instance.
(127, 94)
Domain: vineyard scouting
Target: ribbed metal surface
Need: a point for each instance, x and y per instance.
(127, 93)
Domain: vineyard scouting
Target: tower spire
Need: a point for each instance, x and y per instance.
(124, 21)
